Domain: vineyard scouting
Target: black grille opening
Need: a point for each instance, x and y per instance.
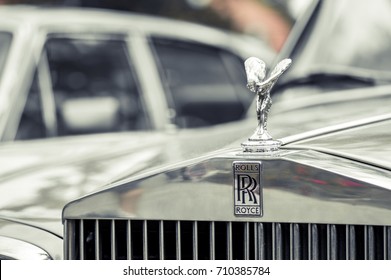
(203, 240)
(153, 240)
(268, 241)
(170, 240)
(220, 240)
(149, 239)
(187, 240)
(238, 244)
(137, 241)
(89, 239)
(121, 232)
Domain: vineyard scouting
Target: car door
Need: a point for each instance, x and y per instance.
(83, 84)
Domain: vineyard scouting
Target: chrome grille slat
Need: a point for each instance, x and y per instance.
(97, 240)
(161, 240)
(260, 242)
(246, 241)
(277, 241)
(294, 242)
(195, 240)
(128, 240)
(144, 239)
(332, 246)
(369, 243)
(113, 240)
(212, 240)
(229, 241)
(178, 240)
(81, 240)
(350, 243)
(387, 236)
(313, 242)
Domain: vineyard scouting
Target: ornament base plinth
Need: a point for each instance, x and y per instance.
(261, 146)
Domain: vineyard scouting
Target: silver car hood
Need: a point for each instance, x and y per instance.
(38, 178)
(329, 175)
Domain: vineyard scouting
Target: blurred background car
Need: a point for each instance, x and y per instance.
(70, 71)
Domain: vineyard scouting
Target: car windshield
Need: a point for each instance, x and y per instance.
(5, 42)
(346, 40)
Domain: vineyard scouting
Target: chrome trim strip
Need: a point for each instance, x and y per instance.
(338, 96)
(332, 129)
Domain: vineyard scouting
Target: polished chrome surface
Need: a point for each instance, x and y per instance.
(373, 147)
(261, 141)
(336, 190)
(201, 240)
(23, 241)
(14, 249)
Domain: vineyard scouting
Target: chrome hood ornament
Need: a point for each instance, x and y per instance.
(261, 141)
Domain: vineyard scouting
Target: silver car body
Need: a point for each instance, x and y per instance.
(31, 27)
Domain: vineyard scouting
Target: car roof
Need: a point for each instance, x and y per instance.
(100, 20)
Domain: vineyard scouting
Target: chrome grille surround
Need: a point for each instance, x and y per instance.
(316, 206)
(158, 239)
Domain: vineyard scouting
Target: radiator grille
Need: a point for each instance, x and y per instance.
(154, 240)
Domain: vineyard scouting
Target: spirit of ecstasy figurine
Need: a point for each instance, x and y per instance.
(261, 141)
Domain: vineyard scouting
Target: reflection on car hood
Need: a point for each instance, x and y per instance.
(39, 177)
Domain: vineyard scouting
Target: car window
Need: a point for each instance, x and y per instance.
(205, 85)
(93, 85)
(5, 42)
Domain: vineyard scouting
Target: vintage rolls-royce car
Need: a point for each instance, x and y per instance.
(69, 71)
(311, 182)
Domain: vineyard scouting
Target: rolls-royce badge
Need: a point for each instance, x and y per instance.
(261, 141)
(248, 199)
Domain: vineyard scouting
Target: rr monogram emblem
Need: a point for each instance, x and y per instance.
(247, 188)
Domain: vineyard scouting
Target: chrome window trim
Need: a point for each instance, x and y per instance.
(333, 128)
